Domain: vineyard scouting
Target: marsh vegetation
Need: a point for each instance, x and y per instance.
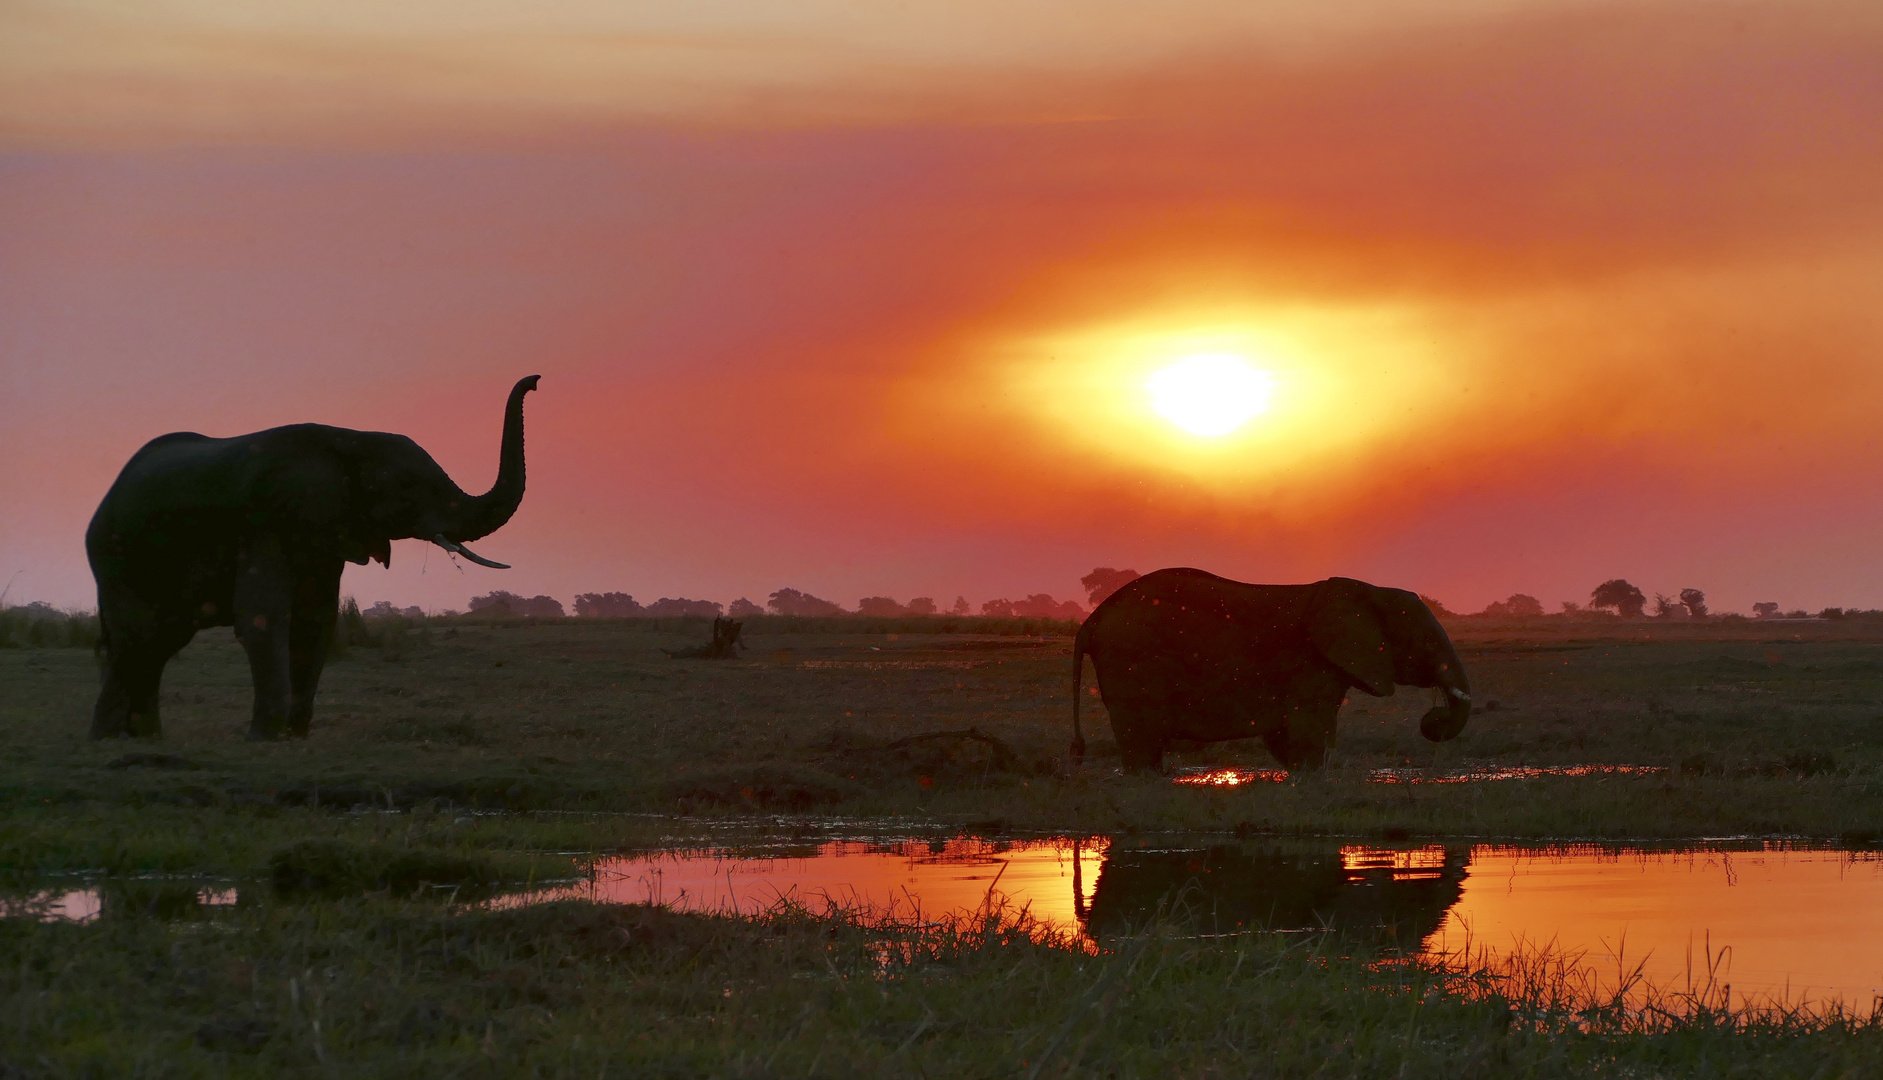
(457, 759)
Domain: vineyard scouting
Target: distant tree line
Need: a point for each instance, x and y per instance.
(617, 605)
(39, 625)
(502, 604)
(1619, 597)
(1099, 584)
(1616, 597)
(1036, 606)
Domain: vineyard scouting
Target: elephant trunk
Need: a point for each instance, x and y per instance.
(1447, 719)
(486, 513)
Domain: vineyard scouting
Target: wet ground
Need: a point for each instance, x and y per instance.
(1770, 921)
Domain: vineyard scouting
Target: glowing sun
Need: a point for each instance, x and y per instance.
(1210, 394)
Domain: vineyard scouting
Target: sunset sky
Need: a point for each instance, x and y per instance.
(864, 298)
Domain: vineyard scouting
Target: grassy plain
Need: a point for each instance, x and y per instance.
(1765, 729)
(594, 741)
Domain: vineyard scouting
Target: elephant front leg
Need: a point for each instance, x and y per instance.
(264, 592)
(316, 608)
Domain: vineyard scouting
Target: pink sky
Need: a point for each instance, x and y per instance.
(855, 303)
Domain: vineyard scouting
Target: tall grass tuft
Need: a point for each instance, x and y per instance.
(395, 635)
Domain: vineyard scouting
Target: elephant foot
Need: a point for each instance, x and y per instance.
(1145, 763)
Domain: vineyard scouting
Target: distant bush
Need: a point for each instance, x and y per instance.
(1619, 594)
(1036, 606)
(501, 603)
(1518, 606)
(349, 629)
(1695, 602)
(1666, 607)
(884, 607)
(793, 602)
(1765, 610)
(669, 608)
(607, 605)
(741, 608)
(393, 631)
(1104, 581)
(850, 623)
(39, 625)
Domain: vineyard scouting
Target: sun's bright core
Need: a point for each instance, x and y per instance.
(1210, 394)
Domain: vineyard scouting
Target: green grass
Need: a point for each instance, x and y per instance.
(481, 757)
(382, 988)
(1761, 734)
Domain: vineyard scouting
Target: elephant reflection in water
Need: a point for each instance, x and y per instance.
(1380, 897)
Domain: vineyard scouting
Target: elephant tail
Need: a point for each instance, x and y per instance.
(1080, 644)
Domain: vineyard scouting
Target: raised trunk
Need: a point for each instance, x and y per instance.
(487, 513)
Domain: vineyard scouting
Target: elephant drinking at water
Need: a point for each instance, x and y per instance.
(252, 531)
(1184, 654)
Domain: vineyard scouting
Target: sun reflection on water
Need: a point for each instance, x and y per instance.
(1234, 775)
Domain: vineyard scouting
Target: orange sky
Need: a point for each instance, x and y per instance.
(862, 303)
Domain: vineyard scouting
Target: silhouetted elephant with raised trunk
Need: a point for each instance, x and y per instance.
(252, 531)
(1184, 654)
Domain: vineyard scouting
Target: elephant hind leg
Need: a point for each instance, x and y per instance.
(1300, 750)
(1140, 735)
(133, 674)
(1277, 743)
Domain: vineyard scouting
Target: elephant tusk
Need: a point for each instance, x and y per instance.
(459, 549)
(1459, 694)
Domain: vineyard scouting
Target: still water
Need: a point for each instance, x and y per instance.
(1776, 921)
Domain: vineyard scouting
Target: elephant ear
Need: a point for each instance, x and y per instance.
(1345, 628)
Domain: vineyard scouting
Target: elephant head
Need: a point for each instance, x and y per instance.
(402, 493)
(1379, 637)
